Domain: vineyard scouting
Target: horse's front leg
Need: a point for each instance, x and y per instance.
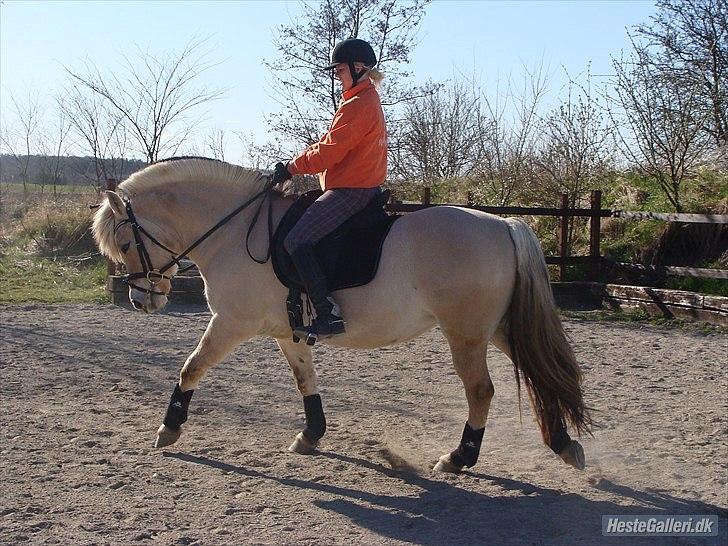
(220, 338)
(301, 361)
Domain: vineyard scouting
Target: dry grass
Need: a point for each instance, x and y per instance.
(46, 250)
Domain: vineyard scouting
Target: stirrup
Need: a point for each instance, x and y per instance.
(323, 327)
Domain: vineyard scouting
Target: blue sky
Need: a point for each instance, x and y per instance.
(488, 39)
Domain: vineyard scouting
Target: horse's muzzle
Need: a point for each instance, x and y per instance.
(146, 302)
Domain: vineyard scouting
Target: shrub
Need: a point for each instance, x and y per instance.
(57, 228)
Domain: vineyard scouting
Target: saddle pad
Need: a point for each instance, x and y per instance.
(349, 255)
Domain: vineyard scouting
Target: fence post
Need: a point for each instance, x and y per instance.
(563, 237)
(426, 195)
(595, 223)
(110, 265)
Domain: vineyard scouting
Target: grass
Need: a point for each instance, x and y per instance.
(26, 278)
(714, 287)
(38, 237)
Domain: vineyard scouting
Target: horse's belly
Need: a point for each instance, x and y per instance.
(384, 312)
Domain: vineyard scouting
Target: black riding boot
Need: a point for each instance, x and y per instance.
(328, 321)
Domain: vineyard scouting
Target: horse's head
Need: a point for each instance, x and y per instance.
(142, 246)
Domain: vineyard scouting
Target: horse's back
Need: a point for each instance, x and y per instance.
(461, 242)
(457, 264)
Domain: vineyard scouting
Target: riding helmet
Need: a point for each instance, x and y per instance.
(352, 50)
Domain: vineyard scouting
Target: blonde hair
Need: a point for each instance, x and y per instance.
(372, 73)
(376, 76)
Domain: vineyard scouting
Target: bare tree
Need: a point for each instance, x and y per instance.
(308, 95)
(216, 144)
(574, 151)
(252, 155)
(117, 147)
(690, 38)
(100, 129)
(659, 120)
(505, 144)
(260, 156)
(21, 143)
(53, 146)
(438, 136)
(154, 95)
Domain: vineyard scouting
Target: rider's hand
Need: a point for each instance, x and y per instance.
(280, 173)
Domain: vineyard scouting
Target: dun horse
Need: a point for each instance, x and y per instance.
(479, 277)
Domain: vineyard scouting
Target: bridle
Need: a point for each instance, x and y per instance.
(155, 276)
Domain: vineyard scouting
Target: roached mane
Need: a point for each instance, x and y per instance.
(163, 173)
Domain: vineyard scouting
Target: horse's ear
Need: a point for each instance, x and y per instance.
(116, 204)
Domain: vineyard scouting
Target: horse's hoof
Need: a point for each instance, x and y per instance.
(167, 436)
(302, 445)
(573, 454)
(445, 464)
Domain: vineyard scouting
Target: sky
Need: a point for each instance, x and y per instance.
(489, 40)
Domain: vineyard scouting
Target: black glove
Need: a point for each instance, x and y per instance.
(280, 173)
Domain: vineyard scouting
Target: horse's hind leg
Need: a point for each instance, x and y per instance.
(300, 360)
(563, 445)
(219, 339)
(469, 359)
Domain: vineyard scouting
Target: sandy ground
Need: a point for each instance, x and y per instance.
(84, 388)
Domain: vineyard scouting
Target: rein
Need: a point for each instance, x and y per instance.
(155, 276)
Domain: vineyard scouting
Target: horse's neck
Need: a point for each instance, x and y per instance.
(229, 243)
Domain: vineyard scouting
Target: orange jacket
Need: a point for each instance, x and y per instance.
(353, 153)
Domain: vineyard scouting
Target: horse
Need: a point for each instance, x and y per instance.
(481, 278)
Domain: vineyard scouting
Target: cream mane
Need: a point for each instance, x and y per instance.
(169, 173)
(193, 169)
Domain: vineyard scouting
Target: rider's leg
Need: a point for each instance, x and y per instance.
(328, 320)
(327, 213)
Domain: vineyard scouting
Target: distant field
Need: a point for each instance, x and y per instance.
(37, 188)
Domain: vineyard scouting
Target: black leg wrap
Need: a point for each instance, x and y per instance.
(315, 419)
(467, 452)
(559, 438)
(177, 409)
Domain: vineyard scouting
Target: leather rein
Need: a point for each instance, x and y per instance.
(155, 276)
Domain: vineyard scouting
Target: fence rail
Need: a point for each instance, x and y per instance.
(672, 217)
(595, 213)
(670, 270)
(511, 211)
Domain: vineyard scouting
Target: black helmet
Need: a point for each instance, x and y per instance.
(352, 51)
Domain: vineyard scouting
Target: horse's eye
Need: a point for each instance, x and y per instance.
(125, 248)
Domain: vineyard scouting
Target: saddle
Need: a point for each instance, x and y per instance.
(349, 256)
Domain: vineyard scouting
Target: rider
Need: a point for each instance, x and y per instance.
(351, 161)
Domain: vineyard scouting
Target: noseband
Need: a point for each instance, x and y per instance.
(155, 276)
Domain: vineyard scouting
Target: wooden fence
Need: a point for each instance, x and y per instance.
(590, 292)
(595, 294)
(595, 213)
